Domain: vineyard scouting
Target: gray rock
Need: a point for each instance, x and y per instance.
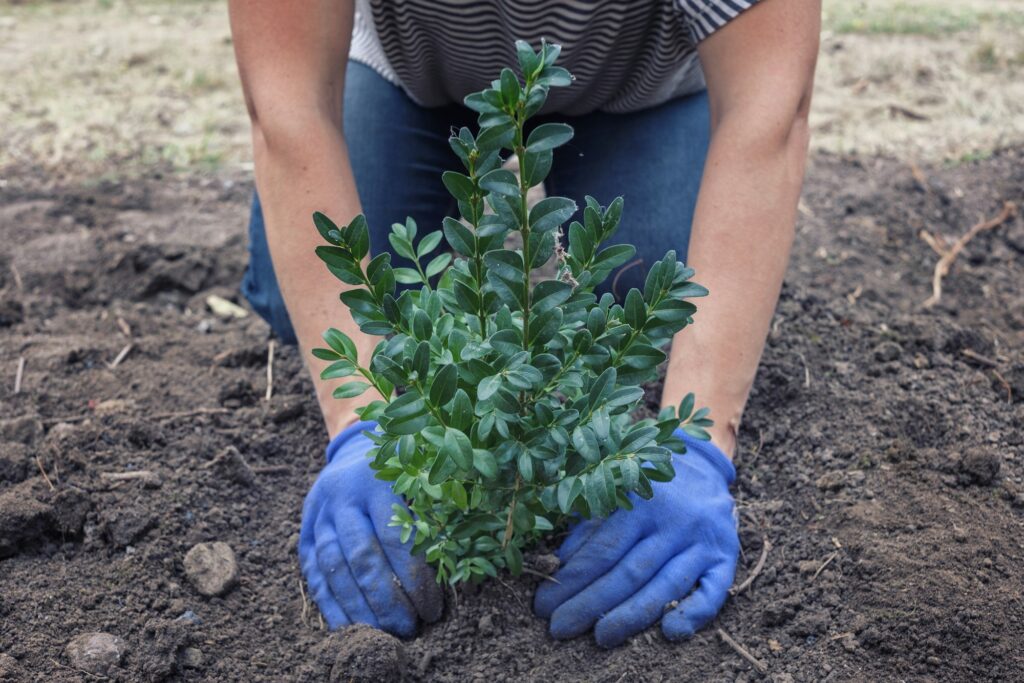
(191, 658)
(887, 351)
(95, 652)
(212, 568)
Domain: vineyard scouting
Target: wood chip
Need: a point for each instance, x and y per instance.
(19, 375)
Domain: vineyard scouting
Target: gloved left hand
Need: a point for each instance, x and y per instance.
(619, 575)
(357, 568)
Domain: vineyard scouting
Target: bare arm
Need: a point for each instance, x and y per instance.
(759, 70)
(291, 59)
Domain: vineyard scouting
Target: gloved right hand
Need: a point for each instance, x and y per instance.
(356, 566)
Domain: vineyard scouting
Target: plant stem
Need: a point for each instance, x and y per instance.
(511, 512)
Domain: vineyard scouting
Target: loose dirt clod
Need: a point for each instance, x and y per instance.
(96, 653)
(366, 655)
(212, 568)
(231, 466)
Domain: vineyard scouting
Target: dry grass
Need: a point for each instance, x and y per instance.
(96, 88)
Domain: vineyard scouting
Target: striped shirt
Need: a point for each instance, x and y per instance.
(625, 54)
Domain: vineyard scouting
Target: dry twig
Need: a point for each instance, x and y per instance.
(946, 261)
(766, 546)
(1006, 385)
(120, 356)
(743, 652)
(126, 476)
(19, 375)
(827, 562)
(975, 356)
(42, 471)
(125, 328)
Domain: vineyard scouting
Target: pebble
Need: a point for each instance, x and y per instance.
(212, 568)
(191, 658)
(95, 653)
(887, 351)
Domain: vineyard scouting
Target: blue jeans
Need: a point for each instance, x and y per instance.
(398, 150)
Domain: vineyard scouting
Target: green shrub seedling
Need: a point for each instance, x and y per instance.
(505, 398)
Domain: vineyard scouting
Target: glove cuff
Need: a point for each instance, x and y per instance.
(711, 453)
(346, 435)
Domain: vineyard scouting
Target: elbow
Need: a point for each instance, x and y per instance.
(287, 124)
(774, 130)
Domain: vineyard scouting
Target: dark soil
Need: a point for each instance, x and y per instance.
(882, 454)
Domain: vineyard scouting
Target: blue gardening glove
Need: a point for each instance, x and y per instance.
(621, 574)
(357, 569)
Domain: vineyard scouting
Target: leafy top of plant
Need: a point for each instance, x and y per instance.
(504, 396)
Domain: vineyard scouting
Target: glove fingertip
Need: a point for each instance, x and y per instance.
(609, 634)
(544, 601)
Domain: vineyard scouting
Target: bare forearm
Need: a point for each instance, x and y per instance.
(742, 233)
(294, 181)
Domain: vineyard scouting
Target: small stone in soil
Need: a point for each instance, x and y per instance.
(96, 653)
(887, 351)
(191, 658)
(212, 568)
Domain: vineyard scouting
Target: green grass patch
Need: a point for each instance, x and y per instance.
(916, 19)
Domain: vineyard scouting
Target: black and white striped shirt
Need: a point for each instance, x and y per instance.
(625, 54)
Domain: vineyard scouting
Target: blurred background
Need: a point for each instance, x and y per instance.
(107, 87)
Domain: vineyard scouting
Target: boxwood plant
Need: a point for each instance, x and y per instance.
(504, 397)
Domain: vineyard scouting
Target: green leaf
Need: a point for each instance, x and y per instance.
(445, 383)
(529, 61)
(458, 448)
(460, 186)
(501, 182)
(438, 263)
(549, 136)
(509, 88)
(422, 328)
(487, 387)
(350, 389)
(358, 237)
(406, 406)
(458, 495)
(400, 243)
(341, 344)
(485, 463)
(585, 441)
(686, 406)
(602, 387)
(568, 490)
(407, 276)
(555, 76)
(327, 229)
(551, 212)
(514, 559)
(326, 354)
(428, 243)
(459, 237)
(635, 309)
(337, 369)
(625, 396)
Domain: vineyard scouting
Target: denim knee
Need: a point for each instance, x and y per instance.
(259, 284)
